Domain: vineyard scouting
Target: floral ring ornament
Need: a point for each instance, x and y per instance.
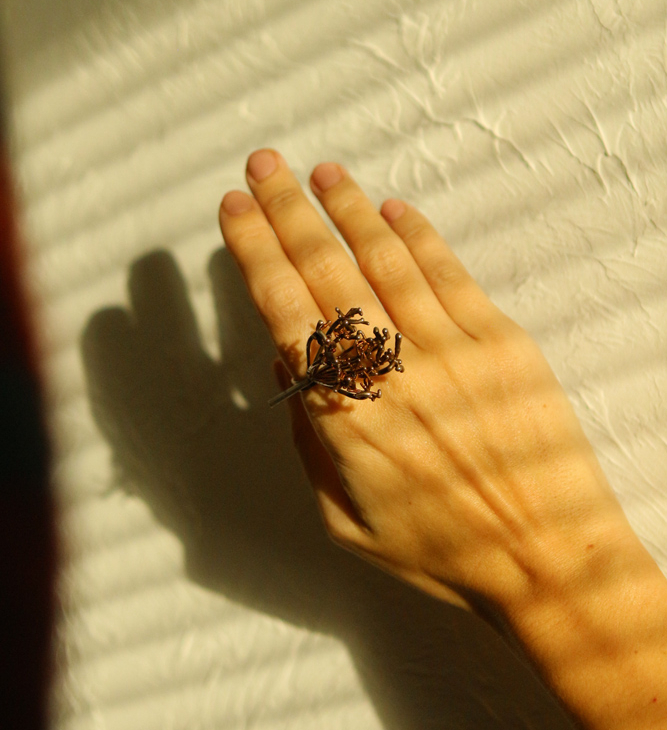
(340, 357)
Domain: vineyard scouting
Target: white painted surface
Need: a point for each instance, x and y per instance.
(199, 591)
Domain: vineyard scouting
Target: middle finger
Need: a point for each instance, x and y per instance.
(327, 269)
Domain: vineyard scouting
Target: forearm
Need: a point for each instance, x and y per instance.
(599, 637)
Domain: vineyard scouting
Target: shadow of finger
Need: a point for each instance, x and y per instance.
(247, 349)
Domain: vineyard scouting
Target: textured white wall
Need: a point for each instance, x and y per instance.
(199, 591)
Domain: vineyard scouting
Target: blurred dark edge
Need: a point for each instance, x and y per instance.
(27, 525)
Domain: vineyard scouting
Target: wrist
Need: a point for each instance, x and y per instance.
(595, 625)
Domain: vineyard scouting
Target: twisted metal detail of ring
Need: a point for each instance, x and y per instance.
(339, 356)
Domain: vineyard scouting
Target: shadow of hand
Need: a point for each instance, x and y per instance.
(219, 472)
(217, 467)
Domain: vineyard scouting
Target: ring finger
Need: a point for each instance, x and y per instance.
(383, 257)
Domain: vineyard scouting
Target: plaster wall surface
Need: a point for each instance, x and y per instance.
(199, 590)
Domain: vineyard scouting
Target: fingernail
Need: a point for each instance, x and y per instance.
(392, 209)
(326, 175)
(236, 202)
(261, 164)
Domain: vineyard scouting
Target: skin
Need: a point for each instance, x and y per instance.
(471, 477)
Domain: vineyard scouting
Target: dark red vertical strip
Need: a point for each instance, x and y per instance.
(27, 531)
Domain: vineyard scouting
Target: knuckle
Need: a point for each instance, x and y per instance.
(444, 276)
(323, 267)
(280, 298)
(251, 234)
(339, 533)
(348, 204)
(384, 263)
(416, 230)
(281, 199)
(348, 530)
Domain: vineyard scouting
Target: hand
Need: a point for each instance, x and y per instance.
(471, 477)
(471, 474)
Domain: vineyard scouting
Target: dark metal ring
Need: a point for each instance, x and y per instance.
(345, 360)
